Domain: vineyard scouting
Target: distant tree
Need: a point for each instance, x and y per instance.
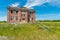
(49, 20)
(2, 21)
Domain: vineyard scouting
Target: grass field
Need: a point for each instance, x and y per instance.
(36, 31)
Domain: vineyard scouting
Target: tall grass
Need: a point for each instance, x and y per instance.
(28, 31)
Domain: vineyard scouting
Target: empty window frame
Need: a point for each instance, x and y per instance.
(32, 18)
(11, 11)
(23, 18)
(12, 18)
(30, 12)
(23, 14)
(14, 11)
(16, 17)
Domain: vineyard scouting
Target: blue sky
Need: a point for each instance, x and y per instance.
(45, 9)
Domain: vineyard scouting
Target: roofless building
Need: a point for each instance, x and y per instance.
(20, 15)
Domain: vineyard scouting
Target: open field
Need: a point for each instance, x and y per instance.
(36, 31)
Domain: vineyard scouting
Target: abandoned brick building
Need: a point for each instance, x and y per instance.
(20, 15)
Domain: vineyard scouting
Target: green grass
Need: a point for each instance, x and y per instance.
(36, 31)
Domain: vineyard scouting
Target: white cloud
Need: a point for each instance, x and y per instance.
(4, 18)
(54, 2)
(31, 3)
(15, 4)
